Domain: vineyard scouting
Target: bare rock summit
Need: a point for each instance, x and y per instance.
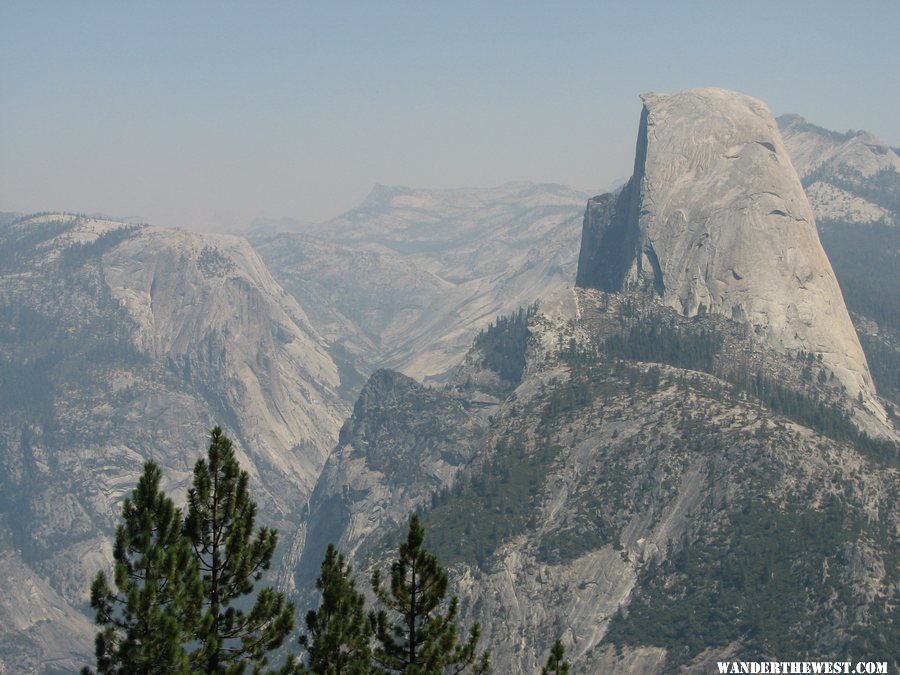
(715, 220)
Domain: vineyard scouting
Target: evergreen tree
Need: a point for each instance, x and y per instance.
(220, 524)
(420, 639)
(340, 632)
(153, 612)
(556, 662)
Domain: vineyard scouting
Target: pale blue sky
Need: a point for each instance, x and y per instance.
(209, 114)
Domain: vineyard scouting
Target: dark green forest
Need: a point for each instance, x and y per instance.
(503, 344)
(881, 188)
(758, 578)
(866, 260)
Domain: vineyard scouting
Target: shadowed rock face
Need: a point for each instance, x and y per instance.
(715, 219)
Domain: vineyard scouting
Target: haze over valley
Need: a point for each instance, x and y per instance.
(124, 342)
(654, 425)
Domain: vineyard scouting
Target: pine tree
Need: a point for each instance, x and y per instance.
(220, 524)
(153, 612)
(420, 639)
(340, 632)
(556, 662)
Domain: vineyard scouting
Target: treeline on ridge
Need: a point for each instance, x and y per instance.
(651, 339)
(504, 343)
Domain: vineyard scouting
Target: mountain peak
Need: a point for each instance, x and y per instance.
(715, 220)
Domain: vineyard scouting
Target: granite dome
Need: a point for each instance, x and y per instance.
(715, 219)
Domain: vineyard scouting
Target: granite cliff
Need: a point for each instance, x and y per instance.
(120, 343)
(621, 469)
(715, 220)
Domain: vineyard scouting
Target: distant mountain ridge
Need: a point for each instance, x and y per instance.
(812, 147)
(851, 177)
(584, 459)
(407, 279)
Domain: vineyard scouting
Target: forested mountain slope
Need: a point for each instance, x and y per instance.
(683, 459)
(655, 490)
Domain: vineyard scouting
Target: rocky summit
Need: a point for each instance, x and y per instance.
(715, 220)
(813, 148)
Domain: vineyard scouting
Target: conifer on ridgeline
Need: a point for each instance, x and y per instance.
(556, 662)
(339, 631)
(152, 613)
(220, 525)
(413, 634)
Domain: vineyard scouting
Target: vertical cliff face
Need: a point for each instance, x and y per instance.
(715, 219)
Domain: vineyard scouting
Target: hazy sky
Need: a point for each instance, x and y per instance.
(210, 114)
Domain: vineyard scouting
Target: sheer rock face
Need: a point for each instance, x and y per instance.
(715, 219)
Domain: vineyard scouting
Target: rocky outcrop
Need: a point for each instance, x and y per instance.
(207, 306)
(41, 631)
(715, 219)
(813, 147)
(403, 442)
(620, 505)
